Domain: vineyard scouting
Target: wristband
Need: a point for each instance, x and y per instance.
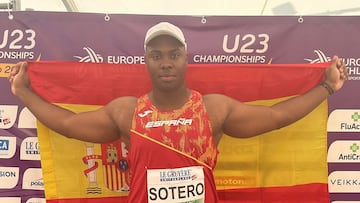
(327, 87)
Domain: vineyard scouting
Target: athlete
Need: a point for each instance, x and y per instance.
(173, 131)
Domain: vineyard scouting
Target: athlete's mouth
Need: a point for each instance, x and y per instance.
(167, 77)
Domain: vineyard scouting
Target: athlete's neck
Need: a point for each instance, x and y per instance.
(169, 100)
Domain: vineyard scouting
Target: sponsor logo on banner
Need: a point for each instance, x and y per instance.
(9, 177)
(235, 181)
(17, 44)
(344, 182)
(321, 57)
(7, 147)
(26, 119)
(91, 55)
(239, 48)
(36, 200)
(344, 120)
(352, 64)
(33, 179)
(344, 151)
(10, 199)
(30, 149)
(8, 114)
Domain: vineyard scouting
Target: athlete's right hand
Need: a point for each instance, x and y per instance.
(18, 78)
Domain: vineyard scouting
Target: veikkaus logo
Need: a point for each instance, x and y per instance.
(352, 64)
(344, 182)
(92, 56)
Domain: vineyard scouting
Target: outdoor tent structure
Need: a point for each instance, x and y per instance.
(192, 8)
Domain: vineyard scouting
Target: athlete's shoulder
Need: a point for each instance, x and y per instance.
(123, 103)
(124, 100)
(215, 98)
(219, 104)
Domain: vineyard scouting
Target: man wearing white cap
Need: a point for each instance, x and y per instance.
(173, 131)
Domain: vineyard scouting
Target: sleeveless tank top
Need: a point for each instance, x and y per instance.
(172, 153)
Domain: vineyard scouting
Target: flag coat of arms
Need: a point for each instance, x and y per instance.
(286, 165)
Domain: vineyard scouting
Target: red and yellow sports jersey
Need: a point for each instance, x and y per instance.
(172, 153)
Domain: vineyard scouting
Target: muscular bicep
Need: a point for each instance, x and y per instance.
(245, 120)
(93, 126)
(106, 124)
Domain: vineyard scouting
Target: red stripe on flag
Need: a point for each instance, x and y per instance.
(309, 193)
(121, 199)
(99, 83)
(289, 194)
(250, 82)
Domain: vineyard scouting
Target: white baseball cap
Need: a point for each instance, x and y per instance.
(164, 28)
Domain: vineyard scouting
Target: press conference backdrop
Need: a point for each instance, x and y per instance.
(118, 39)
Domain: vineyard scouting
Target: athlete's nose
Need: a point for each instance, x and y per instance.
(166, 63)
(166, 66)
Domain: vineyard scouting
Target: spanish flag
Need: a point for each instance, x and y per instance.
(286, 165)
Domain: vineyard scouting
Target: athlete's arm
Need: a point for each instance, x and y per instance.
(94, 126)
(243, 120)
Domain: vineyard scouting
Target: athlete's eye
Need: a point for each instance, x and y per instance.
(155, 56)
(175, 55)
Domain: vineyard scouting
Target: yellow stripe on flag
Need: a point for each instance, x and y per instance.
(63, 168)
(293, 155)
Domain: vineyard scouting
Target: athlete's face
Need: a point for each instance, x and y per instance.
(166, 60)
